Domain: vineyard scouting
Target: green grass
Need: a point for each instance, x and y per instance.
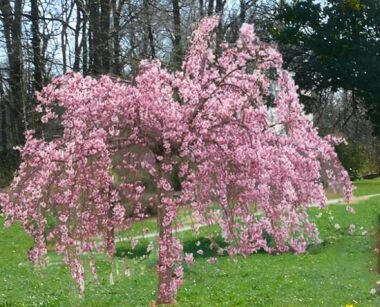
(362, 187)
(367, 186)
(338, 272)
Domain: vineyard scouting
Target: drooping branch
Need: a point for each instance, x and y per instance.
(236, 168)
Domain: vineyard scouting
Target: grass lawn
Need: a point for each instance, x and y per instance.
(338, 272)
(367, 186)
(362, 187)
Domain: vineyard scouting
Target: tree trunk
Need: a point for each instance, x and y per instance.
(219, 10)
(105, 35)
(3, 112)
(95, 39)
(63, 47)
(148, 35)
(177, 47)
(219, 6)
(84, 45)
(210, 8)
(165, 272)
(116, 67)
(66, 15)
(201, 9)
(377, 249)
(151, 42)
(243, 11)
(77, 46)
(36, 45)
(12, 30)
(169, 252)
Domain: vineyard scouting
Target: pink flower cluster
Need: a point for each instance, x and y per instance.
(233, 127)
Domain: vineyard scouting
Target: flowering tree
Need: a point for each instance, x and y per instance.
(233, 127)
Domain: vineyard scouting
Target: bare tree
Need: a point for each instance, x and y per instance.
(12, 25)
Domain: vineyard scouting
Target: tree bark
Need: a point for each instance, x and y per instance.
(105, 35)
(77, 46)
(12, 23)
(116, 10)
(219, 6)
(377, 249)
(177, 46)
(219, 9)
(84, 44)
(95, 39)
(164, 295)
(210, 8)
(201, 9)
(168, 254)
(148, 35)
(36, 45)
(3, 112)
(243, 11)
(66, 15)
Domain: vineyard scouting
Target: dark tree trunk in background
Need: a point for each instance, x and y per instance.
(105, 35)
(3, 112)
(219, 6)
(116, 12)
(148, 37)
(66, 16)
(5, 104)
(177, 44)
(12, 24)
(377, 249)
(36, 45)
(84, 45)
(201, 9)
(77, 47)
(219, 9)
(95, 39)
(16, 76)
(151, 42)
(243, 11)
(210, 8)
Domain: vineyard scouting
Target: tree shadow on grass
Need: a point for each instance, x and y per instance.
(126, 250)
(200, 247)
(189, 246)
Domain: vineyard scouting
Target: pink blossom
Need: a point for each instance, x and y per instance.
(189, 258)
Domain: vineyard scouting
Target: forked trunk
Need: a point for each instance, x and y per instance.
(165, 293)
(169, 248)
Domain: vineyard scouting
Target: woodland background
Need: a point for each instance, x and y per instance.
(331, 46)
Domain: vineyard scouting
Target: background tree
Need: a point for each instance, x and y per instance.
(334, 46)
(15, 102)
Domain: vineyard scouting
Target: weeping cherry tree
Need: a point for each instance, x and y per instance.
(229, 128)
